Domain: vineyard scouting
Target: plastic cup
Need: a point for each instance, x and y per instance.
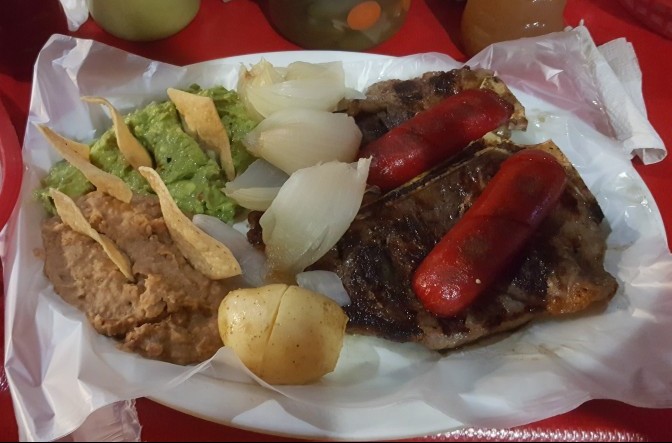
(143, 20)
(490, 21)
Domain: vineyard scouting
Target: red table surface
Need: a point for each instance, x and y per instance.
(240, 27)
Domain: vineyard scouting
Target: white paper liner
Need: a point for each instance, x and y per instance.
(60, 369)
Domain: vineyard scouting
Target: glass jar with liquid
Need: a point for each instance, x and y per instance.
(352, 25)
(489, 21)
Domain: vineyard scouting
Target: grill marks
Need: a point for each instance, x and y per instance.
(378, 254)
(560, 271)
(389, 103)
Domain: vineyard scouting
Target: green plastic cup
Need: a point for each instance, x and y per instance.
(143, 20)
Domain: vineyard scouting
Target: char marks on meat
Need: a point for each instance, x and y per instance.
(391, 102)
(560, 272)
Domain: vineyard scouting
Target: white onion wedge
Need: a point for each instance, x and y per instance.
(305, 70)
(254, 199)
(311, 212)
(326, 283)
(256, 188)
(252, 261)
(293, 139)
(260, 75)
(265, 89)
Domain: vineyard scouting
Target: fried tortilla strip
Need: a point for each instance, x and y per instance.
(207, 255)
(73, 217)
(72, 152)
(134, 153)
(203, 123)
(80, 149)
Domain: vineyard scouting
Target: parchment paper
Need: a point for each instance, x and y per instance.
(60, 369)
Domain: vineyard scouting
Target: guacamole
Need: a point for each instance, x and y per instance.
(192, 175)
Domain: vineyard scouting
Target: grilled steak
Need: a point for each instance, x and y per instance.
(560, 272)
(391, 102)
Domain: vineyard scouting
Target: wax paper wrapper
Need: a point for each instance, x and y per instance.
(60, 369)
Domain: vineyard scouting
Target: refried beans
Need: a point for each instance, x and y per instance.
(169, 313)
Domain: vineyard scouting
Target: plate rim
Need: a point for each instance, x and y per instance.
(295, 54)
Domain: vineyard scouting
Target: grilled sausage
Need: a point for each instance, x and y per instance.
(433, 135)
(491, 234)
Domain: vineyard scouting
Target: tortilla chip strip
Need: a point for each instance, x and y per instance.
(207, 255)
(80, 149)
(73, 217)
(134, 153)
(202, 120)
(103, 181)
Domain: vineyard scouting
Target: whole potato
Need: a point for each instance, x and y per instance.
(284, 334)
(306, 339)
(245, 319)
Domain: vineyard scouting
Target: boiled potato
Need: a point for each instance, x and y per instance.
(306, 339)
(284, 334)
(245, 319)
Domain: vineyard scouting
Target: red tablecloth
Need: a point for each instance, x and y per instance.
(239, 27)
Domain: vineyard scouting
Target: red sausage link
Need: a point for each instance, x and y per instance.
(491, 234)
(434, 135)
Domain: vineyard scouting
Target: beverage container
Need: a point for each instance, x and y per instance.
(337, 24)
(143, 20)
(488, 21)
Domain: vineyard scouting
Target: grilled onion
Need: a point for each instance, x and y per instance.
(265, 89)
(256, 187)
(311, 212)
(292, 139)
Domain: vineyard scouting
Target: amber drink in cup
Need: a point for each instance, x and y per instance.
(489, 21)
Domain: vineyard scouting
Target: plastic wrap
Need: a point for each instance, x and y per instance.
(76, 12)
(60, 370)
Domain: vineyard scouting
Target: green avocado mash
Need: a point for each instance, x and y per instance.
(193, 177)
